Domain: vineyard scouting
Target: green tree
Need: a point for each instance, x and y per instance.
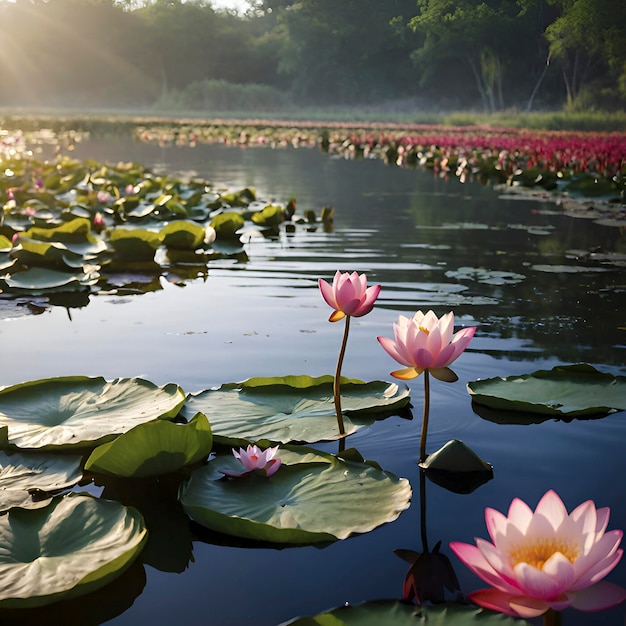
(588, 39)
(342, 51)
(487, 37)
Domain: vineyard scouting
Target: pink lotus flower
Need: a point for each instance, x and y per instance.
(349, 295)
(104, 197)
(425, 342)
(98, 222)
(545, 559)
(254, 459)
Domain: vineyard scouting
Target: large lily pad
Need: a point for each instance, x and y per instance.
(396, 613)
(39, 280)
(80, 411)
(567, 390)
(154, 448)
(312, 498)
(24, 474)
(75, 545)
(293, 408)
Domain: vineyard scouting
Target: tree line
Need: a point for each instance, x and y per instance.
(451, 54)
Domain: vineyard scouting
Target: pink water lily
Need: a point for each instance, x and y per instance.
(254, 459)
(349, 295)
(545, 560)
(426, 342)
(98, 222)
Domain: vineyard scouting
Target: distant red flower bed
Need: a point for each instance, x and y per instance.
(501, 151)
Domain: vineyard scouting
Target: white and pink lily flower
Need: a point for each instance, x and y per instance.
(348, 295)
(254, 459)
(545, 559)
(426, 342)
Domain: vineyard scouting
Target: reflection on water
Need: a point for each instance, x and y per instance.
(525, 274)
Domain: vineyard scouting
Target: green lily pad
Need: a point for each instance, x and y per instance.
(43, 253)
(227, 224)
(485, 276)
(24, 474)
(271, 215)
(135, 244)
(312, 498)
(154, 448)
(567, 390)
(80, 411)
(73, 546)
(396, 613)
(40, 280)
(77, 230)
(182, 235)
(293, 408)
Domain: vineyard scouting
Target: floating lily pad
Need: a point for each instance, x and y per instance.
(73, 546)
(312, 498)
(183, 235)
(39, 280)
(396, 613)
(227, 224)
(566, 390)
(82, 412)
(24, 474)
(567, 269)
(77, 230)
(485, 276)
(134, 244)
(154, 448)
(293, 408)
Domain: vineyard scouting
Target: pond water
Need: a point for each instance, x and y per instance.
(537, 303)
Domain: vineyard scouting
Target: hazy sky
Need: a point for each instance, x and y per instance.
(240, 5)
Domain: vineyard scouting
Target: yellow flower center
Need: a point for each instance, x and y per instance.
(537, 552)
(425, 330)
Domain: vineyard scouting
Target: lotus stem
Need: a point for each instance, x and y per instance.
(425, 549)
(337, 384)
(552, 618)
(425, 417)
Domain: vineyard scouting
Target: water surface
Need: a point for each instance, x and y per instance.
(516, 269)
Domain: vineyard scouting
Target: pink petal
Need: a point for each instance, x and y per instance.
(504, 603)
(602, 595)
(327, 293)
(552, 508)
(345, 294)
(272, 467)
(520, 514)
(476, 561)
(535, 583)
(423, 358)
(604, 547)
(585, 517)
(445, 356)
(496, 523)
(597, 571)
(446, 327)
(560, 568)
(602, 519)
(433, 341)
(367, 304)
(391, 349)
